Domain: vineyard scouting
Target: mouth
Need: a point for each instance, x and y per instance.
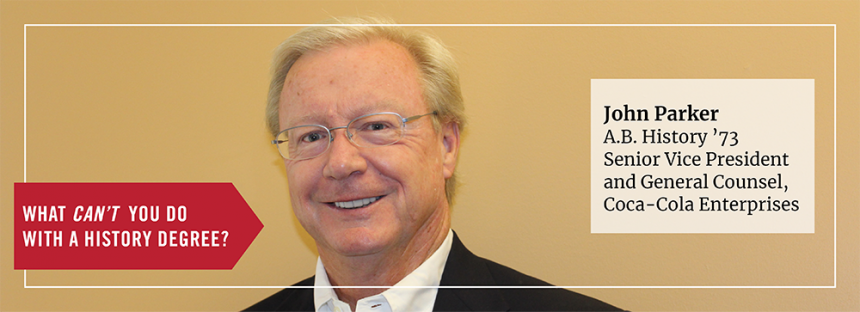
(355, 204)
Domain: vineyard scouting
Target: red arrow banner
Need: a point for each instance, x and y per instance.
(131, 226)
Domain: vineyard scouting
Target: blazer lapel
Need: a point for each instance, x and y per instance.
(463, 268)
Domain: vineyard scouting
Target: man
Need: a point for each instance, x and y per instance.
(368, 119)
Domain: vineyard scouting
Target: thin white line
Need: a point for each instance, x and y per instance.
(463, 25)
(457, 287)
(25, 104)
(25, 121)
(428, 25)
(835, 199)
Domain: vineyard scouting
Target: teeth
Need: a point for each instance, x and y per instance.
(358, 203)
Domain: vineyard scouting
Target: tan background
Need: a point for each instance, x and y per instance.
(185, 104)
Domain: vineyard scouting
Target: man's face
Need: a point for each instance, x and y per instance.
(332, 87)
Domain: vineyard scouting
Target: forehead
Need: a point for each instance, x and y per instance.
(344, 81)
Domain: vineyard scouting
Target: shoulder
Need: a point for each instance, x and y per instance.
(541, 299)
(466, 269)
(289, 299)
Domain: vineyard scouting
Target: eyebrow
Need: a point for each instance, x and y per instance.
(353, 111)
(309, 118)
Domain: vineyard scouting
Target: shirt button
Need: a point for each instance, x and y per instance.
(337, 309)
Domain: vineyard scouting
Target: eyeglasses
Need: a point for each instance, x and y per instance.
(372, 130)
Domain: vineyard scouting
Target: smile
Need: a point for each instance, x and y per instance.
(358, 203)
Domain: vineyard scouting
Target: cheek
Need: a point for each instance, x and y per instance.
(301, 179)
(416, 170)
(301, 183)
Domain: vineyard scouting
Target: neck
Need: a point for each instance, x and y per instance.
(384, 268)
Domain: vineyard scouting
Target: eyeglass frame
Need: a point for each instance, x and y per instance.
(403, 122)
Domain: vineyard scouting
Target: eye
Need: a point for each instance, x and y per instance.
(374, 124)
(377, 126)
(311, 137)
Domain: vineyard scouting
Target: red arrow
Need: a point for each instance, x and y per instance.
(131, 226)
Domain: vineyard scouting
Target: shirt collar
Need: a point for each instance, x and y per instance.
(428, 273)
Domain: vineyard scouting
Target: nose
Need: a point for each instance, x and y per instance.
(344, 158)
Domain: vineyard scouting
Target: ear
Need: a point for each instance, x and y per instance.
(451, 148)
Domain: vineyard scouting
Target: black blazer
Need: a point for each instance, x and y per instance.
(464, 268)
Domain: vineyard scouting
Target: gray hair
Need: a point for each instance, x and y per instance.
(439, 76)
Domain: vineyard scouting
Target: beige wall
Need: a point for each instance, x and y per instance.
(121, 104)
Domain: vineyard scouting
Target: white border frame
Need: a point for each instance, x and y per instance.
(459, 25)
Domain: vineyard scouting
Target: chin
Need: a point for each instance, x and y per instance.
(359, 242)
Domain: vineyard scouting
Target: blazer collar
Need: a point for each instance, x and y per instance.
(464, 268)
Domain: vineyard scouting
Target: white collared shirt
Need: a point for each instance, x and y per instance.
(393, 299)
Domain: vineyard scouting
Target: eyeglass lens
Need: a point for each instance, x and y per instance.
(367, 131)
